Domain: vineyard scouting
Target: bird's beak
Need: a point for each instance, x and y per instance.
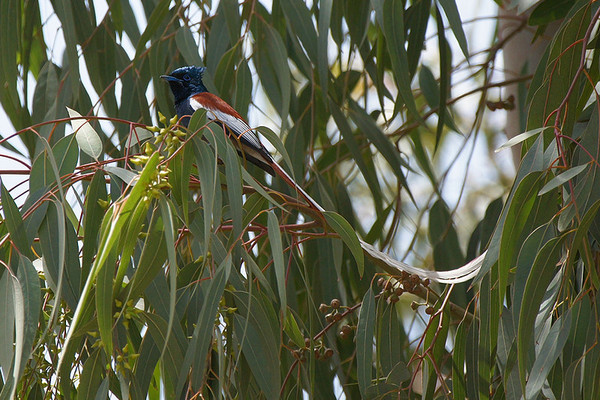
(170, 78)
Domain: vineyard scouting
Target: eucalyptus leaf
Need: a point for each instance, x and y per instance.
(88, 140)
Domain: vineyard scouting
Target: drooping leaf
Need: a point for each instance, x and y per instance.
(364, 340)
(278, 262)
(87, 138)
(203, 331)
(540, 276)
(254, 326)
(456, 24)
(562, 178)
(348, 235)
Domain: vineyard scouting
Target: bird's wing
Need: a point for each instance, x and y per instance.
(217, 109)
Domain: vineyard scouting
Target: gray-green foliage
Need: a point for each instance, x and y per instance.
(147, 267)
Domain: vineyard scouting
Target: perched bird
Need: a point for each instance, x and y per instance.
(191, 95)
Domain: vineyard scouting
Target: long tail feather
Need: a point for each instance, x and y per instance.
(288, 179)
(458, 275)
(462, 274)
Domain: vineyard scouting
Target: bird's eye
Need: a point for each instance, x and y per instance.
(187, 77)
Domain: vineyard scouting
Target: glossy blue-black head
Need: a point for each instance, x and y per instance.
(185, 82)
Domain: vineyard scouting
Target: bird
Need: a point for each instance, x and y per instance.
(190, 94)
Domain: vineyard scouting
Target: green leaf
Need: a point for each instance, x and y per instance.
(55, 243)
(9, 32)
(104, 301)
(138, 136)
(399, 373)
(155, 21)
(391, 340)
(393, 28)
(92, 218)
(169, 232)
(64, 12)
(19, 341)
(325, 7)
(471, 358)
(429, 87)
(521, 138)
(366, 125)
(152, 258)
(458, 361)
(563, 58)
(517, 215)
(435, 340)
(290, 326)
(233, 176)
(259, 189)
(277, 143)
(364, 341)
(7, 328)
(271, 62)
(127, 176)
(527, 253)
(224, 75)
(187, 46)
(579, 241)
(102, 392)
(542, 273)
(179, 179)
(548, 353)
(243, 95)
(417, 21)
(30, 289)
(210, 185)
(255, 324)
(348, 235)
(36, 212)
(66, 155)
(91, 377)
(456, 24)
(218, 41)
(563, 178)
(353, 146)
(300, 21)
(172, 356)
(203, 330)
(87, 138)
(231, 12)
(112, 226)
(14, 223)
(278, 262)
(547, 11)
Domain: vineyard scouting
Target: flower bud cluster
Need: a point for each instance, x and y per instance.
(170, 135)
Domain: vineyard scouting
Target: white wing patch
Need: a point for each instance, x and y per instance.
(238, 126)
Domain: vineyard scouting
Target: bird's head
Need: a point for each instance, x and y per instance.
(185, 82)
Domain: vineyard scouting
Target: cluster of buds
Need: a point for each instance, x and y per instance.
(126, 359)
(508, 104)
(160, 179)
(127, 310)
(333, 311)
(346, 331)
(429, 310)
(320, 351)
(392, 289)
(169, 134)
